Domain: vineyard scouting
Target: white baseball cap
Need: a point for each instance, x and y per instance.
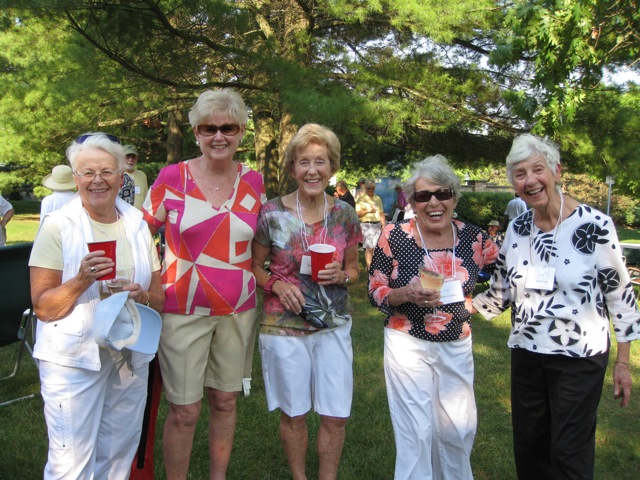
(119, 323)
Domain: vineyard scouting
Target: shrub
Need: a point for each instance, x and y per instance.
(482, 207)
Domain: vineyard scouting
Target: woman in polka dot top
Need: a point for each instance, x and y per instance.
(428, 360)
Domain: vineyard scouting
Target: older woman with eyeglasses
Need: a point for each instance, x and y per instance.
(423, 273)
(209, 206)
(94, 397)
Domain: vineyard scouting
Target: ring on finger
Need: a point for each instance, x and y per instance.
(93, 269)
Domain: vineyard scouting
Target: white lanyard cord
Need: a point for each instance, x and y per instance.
(95, 225)
(555, 233)
(426, 250)
(303, 227)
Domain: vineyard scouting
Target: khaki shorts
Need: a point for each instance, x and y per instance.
(199, 351)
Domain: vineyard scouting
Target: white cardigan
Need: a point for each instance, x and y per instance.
(70, 340)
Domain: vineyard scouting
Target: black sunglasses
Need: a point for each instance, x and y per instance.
(210, 130)
(82, 138)
(425, 195)
(309, 317)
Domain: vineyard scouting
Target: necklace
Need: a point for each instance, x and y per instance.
(303, 226)
(426, 250)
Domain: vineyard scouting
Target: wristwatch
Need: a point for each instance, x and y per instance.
(347, 279)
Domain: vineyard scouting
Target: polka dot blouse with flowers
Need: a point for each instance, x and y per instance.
(396, 260)
(591, 284)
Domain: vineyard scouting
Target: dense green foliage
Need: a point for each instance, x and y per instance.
(397, 80)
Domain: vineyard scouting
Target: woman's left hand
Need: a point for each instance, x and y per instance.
(333, 275)
(136, 293)
(622, 383)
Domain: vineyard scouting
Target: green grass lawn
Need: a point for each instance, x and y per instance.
(24, 224)
(369, 449)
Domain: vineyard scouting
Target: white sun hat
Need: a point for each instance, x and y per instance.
(119, 323)
(60, 179)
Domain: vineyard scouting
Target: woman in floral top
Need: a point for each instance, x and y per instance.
(562, 273)
(428, 360)
(305, 334)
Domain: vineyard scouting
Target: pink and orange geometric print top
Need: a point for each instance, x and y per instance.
(207, 264)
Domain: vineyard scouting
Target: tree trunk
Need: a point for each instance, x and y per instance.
(287, 131)
(267, 157)
(174, 136)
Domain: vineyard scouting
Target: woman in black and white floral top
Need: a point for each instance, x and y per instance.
(562, 272)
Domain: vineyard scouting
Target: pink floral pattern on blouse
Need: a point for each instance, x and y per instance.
(396, 262)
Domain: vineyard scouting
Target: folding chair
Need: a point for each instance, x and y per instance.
(17, 319)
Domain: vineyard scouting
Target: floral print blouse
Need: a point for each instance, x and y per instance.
(396, 262)
(280, 231)
(591, 284)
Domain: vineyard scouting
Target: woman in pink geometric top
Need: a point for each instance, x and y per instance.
(209, 206)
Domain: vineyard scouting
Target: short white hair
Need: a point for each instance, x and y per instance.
(528, 146)
(435, 169)
(96, 140)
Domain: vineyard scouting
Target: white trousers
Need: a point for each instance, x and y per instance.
(433, 408)
(94, 419)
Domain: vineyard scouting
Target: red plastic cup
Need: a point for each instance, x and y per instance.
(321, 254)
(109, 248)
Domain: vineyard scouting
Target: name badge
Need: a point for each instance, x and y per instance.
(540, 278)
(305, 265)
(137, 189)
(451, 291)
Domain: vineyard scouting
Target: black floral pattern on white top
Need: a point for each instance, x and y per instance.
(591, 284)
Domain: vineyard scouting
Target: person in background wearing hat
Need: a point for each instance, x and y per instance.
(135, 187)
(94, 397)
(493, 229)
(342, 193)
(61, 181)
(6, 212)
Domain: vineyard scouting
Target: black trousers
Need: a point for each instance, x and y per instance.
(554, 400)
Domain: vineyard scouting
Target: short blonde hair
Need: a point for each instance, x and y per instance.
(224, 102)
(313, 133)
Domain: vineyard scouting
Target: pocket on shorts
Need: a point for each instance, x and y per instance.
(64, 336)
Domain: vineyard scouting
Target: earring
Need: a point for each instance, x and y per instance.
(197, 143)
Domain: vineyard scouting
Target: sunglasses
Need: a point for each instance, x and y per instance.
(309, 317)
(210, 130)
(425, 195)
(82, 138)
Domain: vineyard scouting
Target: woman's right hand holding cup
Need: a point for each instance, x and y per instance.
(93, 266)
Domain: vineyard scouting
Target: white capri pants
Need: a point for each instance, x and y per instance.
(299, 369)
(94, 419)
(432, 404)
